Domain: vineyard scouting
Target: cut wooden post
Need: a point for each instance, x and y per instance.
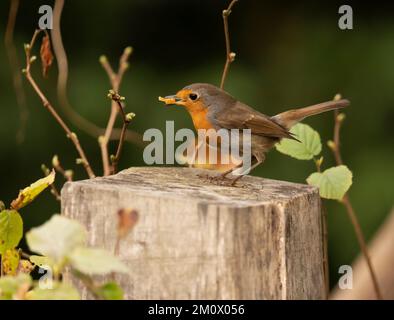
(198, 240)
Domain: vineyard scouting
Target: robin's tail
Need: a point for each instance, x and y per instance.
(289, 118)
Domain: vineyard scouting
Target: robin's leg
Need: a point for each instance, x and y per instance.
(256, 162)
(196, 149)
(226, 173)
(221, 176)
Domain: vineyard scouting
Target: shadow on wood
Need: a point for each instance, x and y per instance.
(198, 240)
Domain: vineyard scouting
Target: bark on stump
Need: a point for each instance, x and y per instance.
(197, 240)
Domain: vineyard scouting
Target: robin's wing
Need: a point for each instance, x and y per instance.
(241, 116)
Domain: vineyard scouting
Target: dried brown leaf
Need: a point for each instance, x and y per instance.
(46, 55)
(127, 219)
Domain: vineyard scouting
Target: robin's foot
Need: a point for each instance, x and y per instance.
(234, 181)
(221, 179)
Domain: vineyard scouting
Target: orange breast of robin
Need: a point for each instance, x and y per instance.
(200, 120)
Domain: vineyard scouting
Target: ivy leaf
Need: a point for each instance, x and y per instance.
(56, 238)
(95, 261)
(11, 230)
(28, 194)
(10, 260)
(333, 183)
(14, 287)
(60, 291)
(308, 147)
(111, 291)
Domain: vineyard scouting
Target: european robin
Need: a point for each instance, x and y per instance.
(213, 108)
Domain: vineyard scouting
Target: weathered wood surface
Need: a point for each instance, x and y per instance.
(198, 240)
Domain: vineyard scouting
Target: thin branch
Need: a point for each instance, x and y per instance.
(24, 254)
(337, 130)
(230, 56)
(335, 147)
(89, 284)
(115, 80)
(54, 190)
(318, 163)
(80, 122)
(126, 120)
(15, 68)
(325, 249)
(71, 135)
(67, 174)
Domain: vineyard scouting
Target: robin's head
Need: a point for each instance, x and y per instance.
(198, 96)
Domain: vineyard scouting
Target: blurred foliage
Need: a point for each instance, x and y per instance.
(288, 55)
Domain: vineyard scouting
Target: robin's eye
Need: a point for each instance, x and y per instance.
(193, 96)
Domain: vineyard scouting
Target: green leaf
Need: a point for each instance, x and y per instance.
(333, 183)
(41, 261)
(10, 261)
(308, 147)
(56, 238)
(95, 261)
(28, 194)
(111, 291)
(60, 291)
(11, 286)
(11, 230)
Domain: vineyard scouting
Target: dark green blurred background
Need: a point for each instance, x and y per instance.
(288, 55)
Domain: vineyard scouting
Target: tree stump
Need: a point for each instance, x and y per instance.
(198, 240)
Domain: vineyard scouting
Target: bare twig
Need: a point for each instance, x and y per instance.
(67, 174)
(335, 147)
(80, 122)
(318, 163)
(325, 249)
(89, 284)
(54, 190)
(115, 80)
(15, 68)
(126, 120)
(230, 56)
(71, 135)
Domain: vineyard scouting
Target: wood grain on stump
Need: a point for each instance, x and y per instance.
(199, 240)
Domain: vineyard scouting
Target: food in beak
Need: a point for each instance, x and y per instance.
(170, 99)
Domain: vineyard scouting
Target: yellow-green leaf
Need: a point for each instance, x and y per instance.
(333, 183)
(11, 230)
(56, 238)
(28, 194)
(60, 291)
(111, 291)
(14, 287)
(95, 261)
(42, 262)
(308, 147)
(10, 260)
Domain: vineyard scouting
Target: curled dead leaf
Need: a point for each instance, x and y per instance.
(46, 55)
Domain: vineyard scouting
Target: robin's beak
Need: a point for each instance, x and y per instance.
(171, 100)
